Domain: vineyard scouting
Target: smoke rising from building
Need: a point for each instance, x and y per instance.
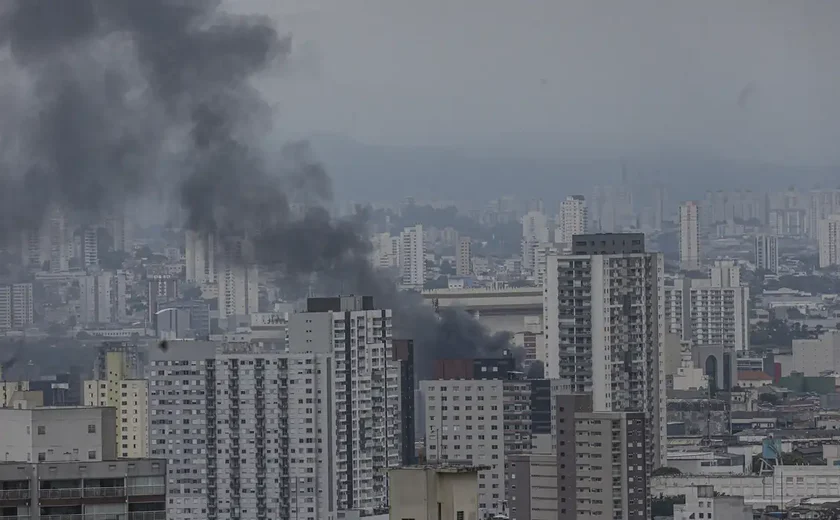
(106, 100)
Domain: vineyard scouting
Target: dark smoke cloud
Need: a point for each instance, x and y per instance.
(112, 98)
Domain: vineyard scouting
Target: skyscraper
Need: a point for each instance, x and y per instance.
(572, 220)
(822, 203)
(829, 241)
(534, 233)
(90, 247)
(767, 253)
(690, 257)
(604, 326)
(238, 279)
(16, 307)
(463, 257)
(413, 256)
(200, 255)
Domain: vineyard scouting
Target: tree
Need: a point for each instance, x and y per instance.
(664, 505)
(446, 267)
(192, 293)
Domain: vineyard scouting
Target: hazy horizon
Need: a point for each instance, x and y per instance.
(753, 81)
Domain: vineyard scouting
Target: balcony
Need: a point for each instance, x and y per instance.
(14, 494)
(103, 492)
(52, 494)
(147, 515)
(147, 490)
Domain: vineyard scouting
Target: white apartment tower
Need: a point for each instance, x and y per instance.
(572, 220)
(182, 390)
(829, 241)
(413, 256)
(822, 204)
(200, 255)
(604, 327)
(90, 247)
(365, 395)
(386, 251)
(102, 297)
(767, 253)
(710, 311)
(238, 279)
(58, 241)
(463, 257)
(534, 232)
(690, 257)
(16, 307)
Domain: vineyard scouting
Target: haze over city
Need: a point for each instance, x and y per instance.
(339, 260)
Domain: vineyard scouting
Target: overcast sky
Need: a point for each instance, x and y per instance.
(745, 79)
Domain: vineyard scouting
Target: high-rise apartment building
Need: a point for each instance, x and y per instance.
(102, 297)
(572, 220)
(463, 257)
(200, 254)
(386, 251)
(120, 229)
(16, 307)
(690, 257)
(58, 242)
(130, 399)
(829, 241)
(90, 247)
(710, 311)
(367, 393)
(602, 466)
(821, 204)
(767, 253)
(298, 434)
(238, 279)
(534, 232)
(413, 256)
(604, 327)
(159, 289)
(477, 412)
(180, 390)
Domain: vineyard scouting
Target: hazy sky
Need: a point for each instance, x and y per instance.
(745, 79)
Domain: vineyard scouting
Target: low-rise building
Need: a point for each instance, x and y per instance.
(89, 490)
(433, 493)
(701, 502)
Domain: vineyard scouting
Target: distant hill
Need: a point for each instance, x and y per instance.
(367, 172)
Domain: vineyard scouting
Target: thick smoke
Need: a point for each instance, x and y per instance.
(105, 101)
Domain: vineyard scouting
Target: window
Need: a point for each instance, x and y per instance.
(42, 457)
(42, 430)
(92, 455)
(91, 428)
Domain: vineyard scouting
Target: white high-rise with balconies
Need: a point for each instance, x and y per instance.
(572, 220)
(463, 257)
(829, 241)
(534, 233)
(366, 424)
(710, 311)
(767, 253)
(690, 257)
(413, 256)
(200, 255)
(604, 327)
(238, 278)
(821, 204)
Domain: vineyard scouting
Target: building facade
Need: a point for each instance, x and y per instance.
(602, 462)
(572, 220)
(605, 327)
(413, 256)
(690, 256)
(829, 241)
(463, 257)
(767, 253)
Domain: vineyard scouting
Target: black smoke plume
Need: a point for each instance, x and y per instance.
(105, 101)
